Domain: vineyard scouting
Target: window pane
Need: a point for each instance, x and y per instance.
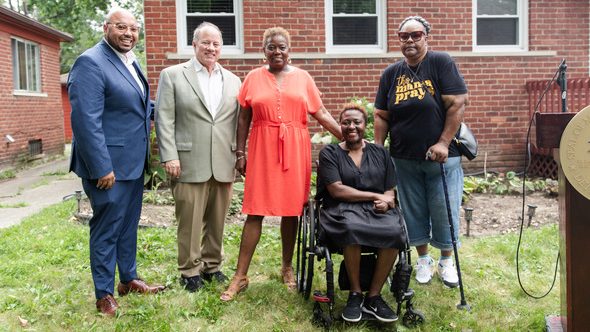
(26, 66)
(227, 25)
(497, 31)
(496, 7)
(354, 6)
(355, 30)
(15, 72)
(32, 67)
(22, 66)
(209, 6)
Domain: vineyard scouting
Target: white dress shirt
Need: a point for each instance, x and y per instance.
(128, 59)
(211, 85)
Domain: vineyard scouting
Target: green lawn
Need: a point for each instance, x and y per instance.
(45, 285)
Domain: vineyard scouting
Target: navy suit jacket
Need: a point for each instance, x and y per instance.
(110, 116)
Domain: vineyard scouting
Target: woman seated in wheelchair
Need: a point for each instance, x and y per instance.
(355, 181)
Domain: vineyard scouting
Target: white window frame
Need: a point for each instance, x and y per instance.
(381, 47)
(522, 13)
(181, 33)
(35, 66)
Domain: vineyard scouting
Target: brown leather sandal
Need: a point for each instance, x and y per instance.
(236, 286)
(289, 278)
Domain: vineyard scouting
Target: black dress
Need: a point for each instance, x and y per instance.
(347, 223)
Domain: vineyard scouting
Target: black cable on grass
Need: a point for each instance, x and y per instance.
(526, 165)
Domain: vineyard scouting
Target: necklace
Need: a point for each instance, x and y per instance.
(414, 73)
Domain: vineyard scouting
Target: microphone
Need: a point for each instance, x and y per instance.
(563, 84)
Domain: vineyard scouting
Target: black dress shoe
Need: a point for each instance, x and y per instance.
(192, 284)
(217, 276)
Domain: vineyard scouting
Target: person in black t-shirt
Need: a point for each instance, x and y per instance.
(420, 104)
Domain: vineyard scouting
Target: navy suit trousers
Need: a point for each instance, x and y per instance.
(113, 232)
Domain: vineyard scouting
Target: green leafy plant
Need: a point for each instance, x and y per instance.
(235, 206)
(505, 184)
(158, 176)
(156, 196)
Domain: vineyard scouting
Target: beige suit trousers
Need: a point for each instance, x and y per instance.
(200, 211)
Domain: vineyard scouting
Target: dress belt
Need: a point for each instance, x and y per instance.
(283, 132)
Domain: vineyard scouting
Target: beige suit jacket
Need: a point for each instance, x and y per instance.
(186, 130)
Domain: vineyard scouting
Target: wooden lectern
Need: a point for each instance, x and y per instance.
(574, 214)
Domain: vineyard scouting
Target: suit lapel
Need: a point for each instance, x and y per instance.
(120, 66)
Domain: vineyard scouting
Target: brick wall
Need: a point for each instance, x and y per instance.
(498, 108)
(29, 117)
(67, 109)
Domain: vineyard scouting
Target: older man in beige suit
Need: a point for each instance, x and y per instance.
(196, 118)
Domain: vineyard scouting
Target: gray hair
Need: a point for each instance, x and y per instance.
(202, 26)
(419, 19)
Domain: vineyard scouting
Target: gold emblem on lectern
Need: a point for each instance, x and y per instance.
(574, 152)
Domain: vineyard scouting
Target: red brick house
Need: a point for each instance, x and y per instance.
(31, 115)
(67, 107)
(345, 44)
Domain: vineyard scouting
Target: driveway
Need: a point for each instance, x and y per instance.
(36, 188)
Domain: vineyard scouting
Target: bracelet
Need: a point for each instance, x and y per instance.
(240, 151)
(240, 157)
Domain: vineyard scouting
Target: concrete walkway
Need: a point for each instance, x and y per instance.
(37, 188)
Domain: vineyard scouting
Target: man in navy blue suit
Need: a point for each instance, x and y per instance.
(111, 124)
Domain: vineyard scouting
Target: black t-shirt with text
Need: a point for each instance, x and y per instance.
(417, 116)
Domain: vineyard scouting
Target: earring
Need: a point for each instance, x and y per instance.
(289, 60)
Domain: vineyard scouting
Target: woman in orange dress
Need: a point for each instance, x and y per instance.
(276, 99)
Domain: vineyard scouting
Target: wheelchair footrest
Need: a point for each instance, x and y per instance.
(320, 297)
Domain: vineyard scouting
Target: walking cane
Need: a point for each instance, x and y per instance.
(463, 304)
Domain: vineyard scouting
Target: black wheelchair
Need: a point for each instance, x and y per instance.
(313, 246)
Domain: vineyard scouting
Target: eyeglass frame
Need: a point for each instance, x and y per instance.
(412, 35)
(122, 27)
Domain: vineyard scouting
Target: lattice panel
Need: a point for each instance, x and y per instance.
(543, 166)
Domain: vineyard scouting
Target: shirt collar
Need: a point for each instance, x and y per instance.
(127, 58)
(199, 66)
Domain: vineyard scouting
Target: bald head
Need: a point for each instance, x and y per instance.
(116, 11)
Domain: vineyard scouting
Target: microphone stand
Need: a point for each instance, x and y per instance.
(563, 85)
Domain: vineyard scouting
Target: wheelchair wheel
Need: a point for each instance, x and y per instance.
(413, 318)
(302, 250)
(308, 281)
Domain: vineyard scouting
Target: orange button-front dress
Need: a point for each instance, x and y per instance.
(278, 168)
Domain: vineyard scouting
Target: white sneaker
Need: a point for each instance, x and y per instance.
(448, 273)
(424, 270)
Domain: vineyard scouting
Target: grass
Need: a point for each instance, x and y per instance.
(56, 173)
(13, 205)
(7, 174)
(45, 280)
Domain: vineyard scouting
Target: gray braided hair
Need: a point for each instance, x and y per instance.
(420, 19)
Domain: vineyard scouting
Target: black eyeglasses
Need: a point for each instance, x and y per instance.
(415, 35)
